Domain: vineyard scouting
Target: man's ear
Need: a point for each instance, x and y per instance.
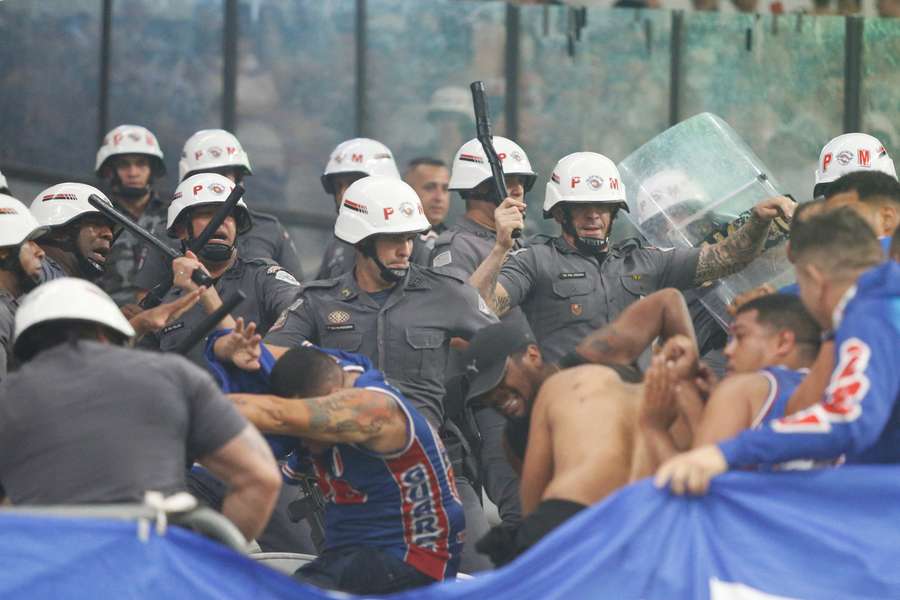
(785, 342)
(888, 217)
(534, 354)
(557, 212)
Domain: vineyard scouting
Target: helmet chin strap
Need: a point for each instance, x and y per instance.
(89, 268)
(367, 247)
(593, 246)
(211, 252)
(120, 189)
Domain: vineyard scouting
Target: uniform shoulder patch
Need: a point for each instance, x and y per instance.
(443, 259)
(282, 274)
(519, 251)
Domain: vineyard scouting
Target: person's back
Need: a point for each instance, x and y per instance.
(141, 416)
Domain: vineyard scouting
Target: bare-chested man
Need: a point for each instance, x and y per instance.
(593, 429)
(507, 372)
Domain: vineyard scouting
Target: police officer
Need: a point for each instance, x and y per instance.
(574, 283)
(80, 236)
(431, 179)
(459, 251)
(400, 315)
(20, 267)
(269, 288)
(218, 151)
(350, 160)
(130, 162)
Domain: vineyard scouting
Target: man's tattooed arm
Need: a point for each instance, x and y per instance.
(352, 416)
(733, 253)
(662, 314)
(484, 279)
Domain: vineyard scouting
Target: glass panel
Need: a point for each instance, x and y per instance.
(606, 93)
(166, 71)
(420, 59)
(733, 66)
(295, 97)
(49, 52)
(881, 80)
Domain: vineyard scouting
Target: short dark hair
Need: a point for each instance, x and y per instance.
(304, 372)
(804, 210)
(786, 312)
(837, 241)
(50, 334)
(425, 160)
(870, 186)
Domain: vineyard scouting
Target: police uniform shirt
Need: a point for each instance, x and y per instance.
(460, 250)
(128, 254)
(407, 338)
(270, 289)
(51, 269)
(566, 295)
(8, 306)
(339, 258)
(267, 239)
(96, 423)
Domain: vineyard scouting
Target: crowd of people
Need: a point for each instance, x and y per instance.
(428, 364)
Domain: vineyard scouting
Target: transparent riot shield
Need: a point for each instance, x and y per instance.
(696, 183)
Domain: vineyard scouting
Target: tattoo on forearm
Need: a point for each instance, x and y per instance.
(351, 411)
(733, 253)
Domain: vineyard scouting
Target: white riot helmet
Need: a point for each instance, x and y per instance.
(59, 205)
(362, 156)
(68, 299)
(471, 168)
(848, 153)
(4, 187)
(17, 224)
(63, 204)
(130, 139)
(584, 177)
(212, 149)
(204, 189)
(379, 205)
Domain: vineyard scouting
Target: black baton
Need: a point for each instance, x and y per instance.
(209, 324)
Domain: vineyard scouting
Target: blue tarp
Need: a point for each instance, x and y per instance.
(816, 534)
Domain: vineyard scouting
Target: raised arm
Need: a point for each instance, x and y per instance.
(737, 250)
(507, 217)
(662, 314)
(352, 416)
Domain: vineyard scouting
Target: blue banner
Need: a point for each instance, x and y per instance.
(815, 534)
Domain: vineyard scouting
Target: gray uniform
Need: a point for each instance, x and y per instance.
(423, 245)
(566, 295)
(338, 258)
(95, 423)
(408, 338)
(459, 251)
(128, 254)
(269, 288)
(8, 306)
(267, 239)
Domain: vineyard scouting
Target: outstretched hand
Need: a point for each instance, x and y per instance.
(158, 317)
(691, 472)
(240, 347)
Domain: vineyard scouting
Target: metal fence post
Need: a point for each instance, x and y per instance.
(230, 34)
(511, 68)
(676, 50)
(360, 95)
(853, 65)
(105, 62)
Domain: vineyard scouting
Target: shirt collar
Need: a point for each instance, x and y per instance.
(838, 315)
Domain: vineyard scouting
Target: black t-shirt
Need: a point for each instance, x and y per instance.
(95, 423)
